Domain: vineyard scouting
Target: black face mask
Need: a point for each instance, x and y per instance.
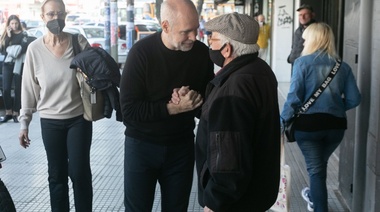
(216, 56)
(55, 26)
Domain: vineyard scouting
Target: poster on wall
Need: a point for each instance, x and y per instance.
(283, 11)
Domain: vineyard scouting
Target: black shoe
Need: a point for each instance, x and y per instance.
(5, 118)
(15, 118)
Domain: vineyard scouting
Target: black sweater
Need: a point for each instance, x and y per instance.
(150, 74)
(16, 39)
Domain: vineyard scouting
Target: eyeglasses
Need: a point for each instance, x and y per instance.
(52, 14)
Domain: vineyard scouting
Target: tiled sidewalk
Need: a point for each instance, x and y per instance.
(25, 170)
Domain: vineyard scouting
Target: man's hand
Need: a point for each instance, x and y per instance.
(177, 93)
(24, 138)
(184, 100)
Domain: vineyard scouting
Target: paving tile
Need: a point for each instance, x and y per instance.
(25, 170)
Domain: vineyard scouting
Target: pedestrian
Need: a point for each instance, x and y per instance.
(50, 87)
(306, 17)
(238, 137)
(201, 30)
(320, 129)
(264, 37)
(13, 46)
(159, 134)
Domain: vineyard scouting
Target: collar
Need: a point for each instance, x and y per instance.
(231, 67)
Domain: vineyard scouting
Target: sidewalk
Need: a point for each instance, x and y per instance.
(25, 170)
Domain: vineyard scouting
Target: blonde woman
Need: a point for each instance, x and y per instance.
(320, 130)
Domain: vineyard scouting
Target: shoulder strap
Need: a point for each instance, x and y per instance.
(75, 42)
(321, 88)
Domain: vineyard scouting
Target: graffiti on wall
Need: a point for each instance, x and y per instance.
(284, 19)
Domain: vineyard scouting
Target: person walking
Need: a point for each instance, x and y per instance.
(306, 17)
(319, 130)
(13, 46)
(50, 87)
(159, 134)
(264, 37)
(201, 29)
(238, 136)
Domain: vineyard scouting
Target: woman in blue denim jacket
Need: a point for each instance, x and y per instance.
(320, 130)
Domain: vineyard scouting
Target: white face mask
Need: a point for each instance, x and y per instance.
(261, 23)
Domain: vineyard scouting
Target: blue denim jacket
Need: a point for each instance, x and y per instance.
(309, 72)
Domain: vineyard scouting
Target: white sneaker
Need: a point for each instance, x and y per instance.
(305, 195)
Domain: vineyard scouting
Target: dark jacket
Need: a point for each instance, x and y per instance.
(238, 138)
(297, 44)
(103, 75)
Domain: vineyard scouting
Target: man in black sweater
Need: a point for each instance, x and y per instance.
(159, 142)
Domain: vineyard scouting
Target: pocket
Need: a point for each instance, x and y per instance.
(225, 151)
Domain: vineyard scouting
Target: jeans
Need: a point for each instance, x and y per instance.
(8, 78)
(317, 148)
(67, 144)
(146, 163)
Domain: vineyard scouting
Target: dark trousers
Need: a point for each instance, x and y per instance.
(67, 144)
(8, 78)
(146, 163)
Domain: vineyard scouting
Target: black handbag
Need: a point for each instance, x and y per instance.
(289, 125)
(289, 129)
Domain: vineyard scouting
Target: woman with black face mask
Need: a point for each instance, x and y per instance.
(50, 87)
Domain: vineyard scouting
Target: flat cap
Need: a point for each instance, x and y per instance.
(305, 6)
(239, 27)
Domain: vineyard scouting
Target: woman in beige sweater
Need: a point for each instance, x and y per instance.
(50, 87)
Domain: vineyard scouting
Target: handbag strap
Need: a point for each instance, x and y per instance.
(75, 43)
(321, 88)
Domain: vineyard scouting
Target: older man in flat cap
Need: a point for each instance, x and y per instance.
(238, 136)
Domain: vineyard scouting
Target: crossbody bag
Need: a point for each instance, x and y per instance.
(289, 126)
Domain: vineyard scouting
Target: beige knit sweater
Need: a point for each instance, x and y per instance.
(49, 86)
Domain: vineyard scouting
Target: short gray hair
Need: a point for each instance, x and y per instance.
(238, 48)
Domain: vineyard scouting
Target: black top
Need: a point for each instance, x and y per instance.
(15, 39)
(297, 44)
(150, 74)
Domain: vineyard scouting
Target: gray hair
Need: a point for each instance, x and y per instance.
(238, 48)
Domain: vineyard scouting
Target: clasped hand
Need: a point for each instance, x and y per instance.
(184, 100)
